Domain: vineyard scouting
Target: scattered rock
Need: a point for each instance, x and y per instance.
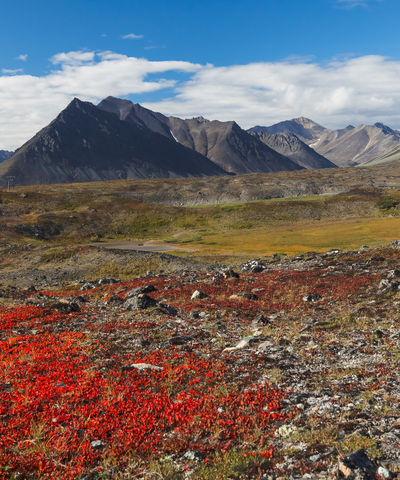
(141, 341)
(383, 472)
(179, 340)
(254, 266)
(107, 281)
(141, 367)
(194, 456)
(386, 285)
(97, 444)
(312, 297)
(140, 302)
(197, 294)
(229, 273)
(137, 291)
(357, 462)
(243, 343)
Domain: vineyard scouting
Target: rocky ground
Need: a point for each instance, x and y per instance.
(285, 368)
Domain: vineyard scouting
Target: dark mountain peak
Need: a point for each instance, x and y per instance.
(86, 143)
(385, 129)
(201, 119)
(135, 114)
(349, 127)
(118, 106)
(78, 104)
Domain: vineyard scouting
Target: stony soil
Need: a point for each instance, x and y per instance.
(322, 328)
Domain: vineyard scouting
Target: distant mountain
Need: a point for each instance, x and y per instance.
(225, 143)
(304, 129)
(4, 154)
(389, 157)
(345, 147)
(85, 143)
(229, 146)
(292, 147)
(360, 145)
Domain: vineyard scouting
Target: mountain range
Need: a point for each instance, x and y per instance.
(120, 139)
(225, 143)
(345, 147)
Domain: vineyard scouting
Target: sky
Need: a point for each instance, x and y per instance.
(334, 61)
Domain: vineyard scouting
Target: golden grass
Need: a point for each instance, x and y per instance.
(300, 237)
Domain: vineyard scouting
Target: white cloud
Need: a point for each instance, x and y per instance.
(28, 103)
(358, 90)
(131, 36)
(23, 57)
(350, 90)
(10, 71)
(73, 58)
(355, 3)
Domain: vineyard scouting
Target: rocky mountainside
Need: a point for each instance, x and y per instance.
(225, 143)
(229, 146)
(292, 147)
(389, 157)
(359, 145)
(85, 143)
(4, 154)
(304, 128)
(137, 115)
(345, 147)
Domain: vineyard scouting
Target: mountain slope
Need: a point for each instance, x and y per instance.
(292, 147)
(4, 154)
(389, 157)
(137, 115)
(85, 143)
(304, 129)
(360, 145)
(225, 143)
(229, 146)
(345, 147)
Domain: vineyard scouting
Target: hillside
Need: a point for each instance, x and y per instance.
(345, 147)
(292, 147)
(225, 143)
(85, 143)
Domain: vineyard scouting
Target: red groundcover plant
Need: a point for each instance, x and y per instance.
(61, 415)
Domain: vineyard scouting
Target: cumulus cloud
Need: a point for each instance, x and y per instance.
(23, 57)
(350, 90)
(358, 90)
(131, 36)
(28, 102)
(73, 58)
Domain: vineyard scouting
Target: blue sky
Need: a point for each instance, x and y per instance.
(336, 61)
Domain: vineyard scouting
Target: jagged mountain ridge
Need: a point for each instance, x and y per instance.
(289, 145)
(348, 146)
(225, 143)
(85, 143)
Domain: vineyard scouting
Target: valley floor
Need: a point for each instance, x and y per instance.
(198, 362)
